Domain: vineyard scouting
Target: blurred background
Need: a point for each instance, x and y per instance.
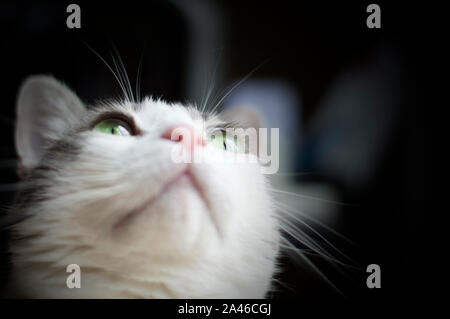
(355, 121)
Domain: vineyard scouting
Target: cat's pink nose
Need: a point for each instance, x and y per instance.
(185, 134)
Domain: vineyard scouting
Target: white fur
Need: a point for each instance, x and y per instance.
(219, 240)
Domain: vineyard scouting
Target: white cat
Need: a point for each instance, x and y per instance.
(101, 191)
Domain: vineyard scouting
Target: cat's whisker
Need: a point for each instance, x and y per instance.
(338, 265)
(301, 237)
(121, 76)
(217, 96)
(278, 191)
(314, 220)
(304, 239)
(296, 252)
(211, 85)
(216, 105)
(291, 214)
(296, 233)
(208, 95)
(111, 69)
(124, 74)
(328, 259)
(139, 78)
(294, 174)
(245, 78)
(283, 284)
(314, 267)
(204, 90)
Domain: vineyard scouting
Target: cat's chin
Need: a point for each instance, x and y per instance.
(176, 187)
(174, 218)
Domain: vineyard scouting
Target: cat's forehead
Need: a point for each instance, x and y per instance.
(151, 113)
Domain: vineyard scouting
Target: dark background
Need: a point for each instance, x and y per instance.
(308, 45)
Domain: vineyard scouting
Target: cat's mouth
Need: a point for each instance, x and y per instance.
(185, 175)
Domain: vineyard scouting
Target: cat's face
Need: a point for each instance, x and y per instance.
(138, 223)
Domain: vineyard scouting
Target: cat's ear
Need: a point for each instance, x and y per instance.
(246, 116)
(45, 108)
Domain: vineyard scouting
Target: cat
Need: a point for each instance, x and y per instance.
(101, 190)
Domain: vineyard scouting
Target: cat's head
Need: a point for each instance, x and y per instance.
(102, 190)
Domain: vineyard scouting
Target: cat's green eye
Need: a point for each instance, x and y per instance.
(219, 140)
(113, 127)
